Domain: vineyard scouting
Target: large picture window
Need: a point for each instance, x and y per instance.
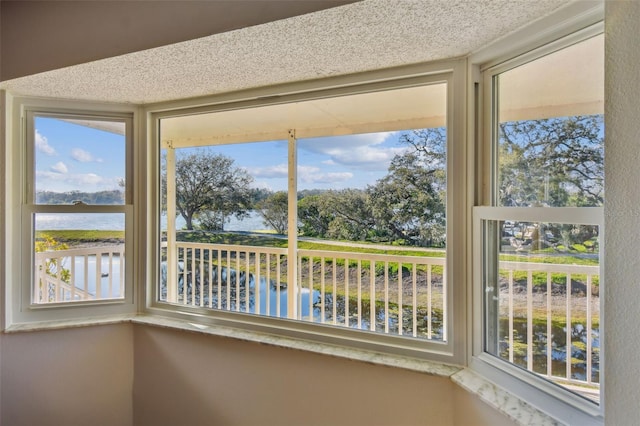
(541, 240)
(330, 211)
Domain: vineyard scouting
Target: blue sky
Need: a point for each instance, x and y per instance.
(338, 162)
(72, 157)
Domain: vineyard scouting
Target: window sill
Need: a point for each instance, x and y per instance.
(500, 399)
(496, 397)
(69, 323)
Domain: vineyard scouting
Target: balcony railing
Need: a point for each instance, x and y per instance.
(553, 328)
(90, 273)
(400, 295)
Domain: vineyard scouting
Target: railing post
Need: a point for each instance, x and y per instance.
(292, 253)
(172, 258)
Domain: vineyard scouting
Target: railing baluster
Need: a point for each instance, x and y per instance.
(247, 286)
(530, 320)
(121, 265)
(278, 278)
(192, 272)
(210, 276)
(256, 282)
(335, 290)
(589, 332)
(201, 286)
(511, 315)
(400, 324)
(59, 289)
(310, 268)
(429, 304)
(549, 332)
(238, 293)
(414, 283)
(219, 278)
(267, 284)
(85, 277)
(323, 316)
(98, 275)
(386, 297)
(346, 292)
(72, 278)
(110, 276)
(372, 295)
(568, 326)
(228, 279)
(299, 286)
(359, 294)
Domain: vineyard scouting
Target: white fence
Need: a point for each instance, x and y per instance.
(562, 327)
(79, 274)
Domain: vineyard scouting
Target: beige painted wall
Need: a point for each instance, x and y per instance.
(79, 376)
(192, 379)
(622, 213)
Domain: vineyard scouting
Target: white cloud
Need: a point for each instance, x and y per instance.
(42, 144)
(311, 174)
(81, 155)
(58, 181)
(59, 167)
(277, 171)
(355, 150)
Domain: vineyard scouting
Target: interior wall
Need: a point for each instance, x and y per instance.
(195, 379)
(72, 377)
(622, 213)
(40, 35)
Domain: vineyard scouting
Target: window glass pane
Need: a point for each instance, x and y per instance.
(551, 129)
(78, 257)
(371, 218)
(231, 227)
(79, 161)
(542, 300)
(367, 250)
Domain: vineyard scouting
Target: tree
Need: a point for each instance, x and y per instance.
(313, 216)
(553, 162)
(409, 202)
(210, 185)
(556, 162)
(274, 211)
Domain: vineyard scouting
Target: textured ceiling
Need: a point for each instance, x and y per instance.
(362, 36)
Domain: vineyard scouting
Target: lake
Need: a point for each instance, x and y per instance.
(115, 222)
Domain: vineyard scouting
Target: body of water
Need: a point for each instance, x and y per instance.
(115, 222)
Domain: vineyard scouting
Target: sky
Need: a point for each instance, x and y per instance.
(73, 157)
(338, 162)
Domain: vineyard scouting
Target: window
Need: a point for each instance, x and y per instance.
(76, 212)
(328, 210)
(539, 241)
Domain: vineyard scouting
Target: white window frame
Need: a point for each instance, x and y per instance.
(451, 72)
(20, 171)
(560, 403)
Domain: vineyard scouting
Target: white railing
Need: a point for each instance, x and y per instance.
(90, 273)
(574, 310)
(373, 292)
(357, 290)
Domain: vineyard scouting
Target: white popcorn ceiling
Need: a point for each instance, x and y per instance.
(362, 36)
